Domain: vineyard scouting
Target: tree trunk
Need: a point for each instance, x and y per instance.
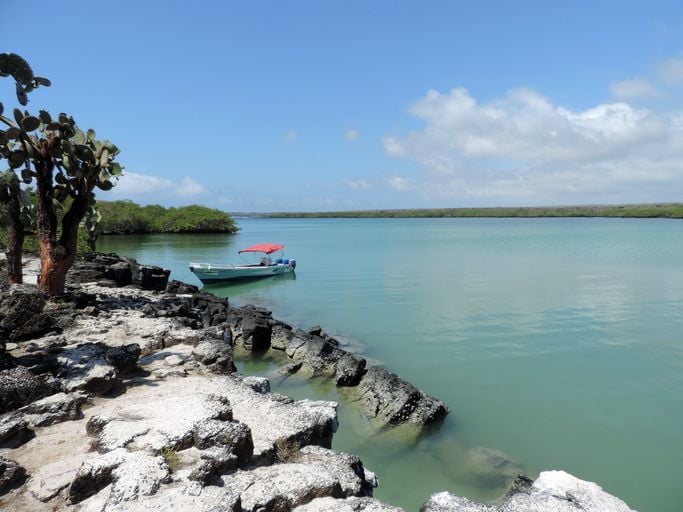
(53, 272)
(55, 259)
(15, 234)
(57, 255)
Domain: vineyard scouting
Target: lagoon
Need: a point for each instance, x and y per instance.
(558, 342)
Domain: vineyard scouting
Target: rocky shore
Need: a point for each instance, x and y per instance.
(123, 395)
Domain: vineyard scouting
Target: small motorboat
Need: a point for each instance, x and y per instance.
(266, 267)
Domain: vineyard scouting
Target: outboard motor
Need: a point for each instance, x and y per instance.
(292, 263)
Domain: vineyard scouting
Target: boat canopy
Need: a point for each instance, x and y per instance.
(266, 248)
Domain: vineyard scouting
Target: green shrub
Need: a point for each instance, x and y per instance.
(172, 459)
(128, 217)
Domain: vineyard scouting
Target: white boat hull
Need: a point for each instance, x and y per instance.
(208, 273)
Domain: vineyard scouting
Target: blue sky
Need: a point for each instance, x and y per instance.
(335, 105)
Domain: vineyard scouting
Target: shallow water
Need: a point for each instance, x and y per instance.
(556, 341)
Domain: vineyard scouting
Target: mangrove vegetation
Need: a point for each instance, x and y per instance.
(126, 217)
(663, 210)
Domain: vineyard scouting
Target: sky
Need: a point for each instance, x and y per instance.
(261, 106)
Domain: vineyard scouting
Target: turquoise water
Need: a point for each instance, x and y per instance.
(556, 341)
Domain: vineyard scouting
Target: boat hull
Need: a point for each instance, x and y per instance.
(208, 274)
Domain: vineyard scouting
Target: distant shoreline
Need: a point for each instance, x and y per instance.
(637, 211)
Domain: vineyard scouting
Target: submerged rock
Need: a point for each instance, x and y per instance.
(489, 467)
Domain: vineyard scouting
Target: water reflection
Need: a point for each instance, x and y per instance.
(233, 288)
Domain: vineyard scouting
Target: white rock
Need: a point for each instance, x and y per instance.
(258, 384)
(553, 491)
(347, 468)
(159, 420)
(139, 475)
(589, 495)
(174, 360)
(182, 496)
(346, 505)
(288, 485)
(49, 480)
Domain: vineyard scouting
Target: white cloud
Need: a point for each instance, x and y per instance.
(393, 147)
(351, 134)
(671, 71)
(190, 188)
(400, 184)
(291, 136)
(358, 184)
(522, 148)
(633, 88)
(136, 185)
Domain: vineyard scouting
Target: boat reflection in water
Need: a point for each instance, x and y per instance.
(243, 288)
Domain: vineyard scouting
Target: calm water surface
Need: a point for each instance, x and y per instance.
(556, 341)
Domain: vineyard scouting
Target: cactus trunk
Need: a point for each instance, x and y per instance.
(56, 255)
(53, 272)
(15, 235)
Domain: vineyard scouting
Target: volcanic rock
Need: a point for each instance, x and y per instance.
(394, 401)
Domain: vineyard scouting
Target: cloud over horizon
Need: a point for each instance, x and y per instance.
(522, 148)
(632, 89)
(360, 184)
(133, 185)
(671, 71)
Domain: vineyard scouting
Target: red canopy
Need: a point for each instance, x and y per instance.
(267, 248)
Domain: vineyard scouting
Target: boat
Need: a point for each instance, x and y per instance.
(266, 267)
